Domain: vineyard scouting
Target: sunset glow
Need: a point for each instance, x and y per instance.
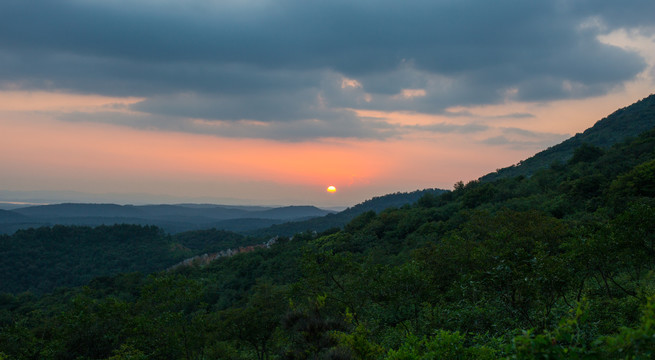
(224, 119)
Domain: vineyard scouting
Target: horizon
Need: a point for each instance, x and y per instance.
(258, 103)
(11, 205)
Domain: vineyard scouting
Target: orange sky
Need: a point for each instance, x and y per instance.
(42, 153)
(39, 152)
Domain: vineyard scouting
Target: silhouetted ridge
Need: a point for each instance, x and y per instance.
(340, 219)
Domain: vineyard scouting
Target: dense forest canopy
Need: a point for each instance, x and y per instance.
(558, 264)
(42, 259)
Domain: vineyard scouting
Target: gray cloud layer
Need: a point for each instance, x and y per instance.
(282, 62)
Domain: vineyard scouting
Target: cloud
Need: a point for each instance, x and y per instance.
(634, 13)
(346, 126)
(292, 61)
(511, 116)
(450, 128)
(302, 130)
(524, 139)
(265, 107)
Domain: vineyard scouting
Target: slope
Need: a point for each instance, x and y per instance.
(338, 220)
(622, 124)
(41, 259)
(555, 265)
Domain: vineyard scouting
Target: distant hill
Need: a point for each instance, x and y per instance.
(10, 221)
(216, 212)
(9, 216)
(80, 210)
(172, 218)
(259, 221)
(624, 123)
(292, 212)
(340, 219)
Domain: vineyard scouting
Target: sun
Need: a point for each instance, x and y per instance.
(331, 189)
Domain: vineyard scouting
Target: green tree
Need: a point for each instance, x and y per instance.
(586, 153)
(442, 345)
(312, 331)
(519, 260)
(171, 319)
(256, 323)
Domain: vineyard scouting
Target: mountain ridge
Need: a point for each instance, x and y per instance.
(340, 219)
(604, 133)
(172, 218)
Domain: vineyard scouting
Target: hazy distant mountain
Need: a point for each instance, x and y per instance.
(12, 199)
(172, 218)
(622, 124)
(340, 219)
(80, 210)
(292, 212)
(253, 220)
(8, 216)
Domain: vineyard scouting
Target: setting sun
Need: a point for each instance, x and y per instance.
(331, 189)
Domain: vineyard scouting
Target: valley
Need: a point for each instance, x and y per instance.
(556, 261)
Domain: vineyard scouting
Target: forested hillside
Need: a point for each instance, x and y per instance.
(556, 265)
(338, 220)
(73, 255)
(42, 259)
(620, 125)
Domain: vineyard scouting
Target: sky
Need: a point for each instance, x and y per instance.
(270, 102)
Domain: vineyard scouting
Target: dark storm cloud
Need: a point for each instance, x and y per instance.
(634, 13)
(124, 77)
(283, 62)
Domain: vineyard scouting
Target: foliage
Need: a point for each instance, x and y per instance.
(42, 259)
(556, 265)
(442, 345)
